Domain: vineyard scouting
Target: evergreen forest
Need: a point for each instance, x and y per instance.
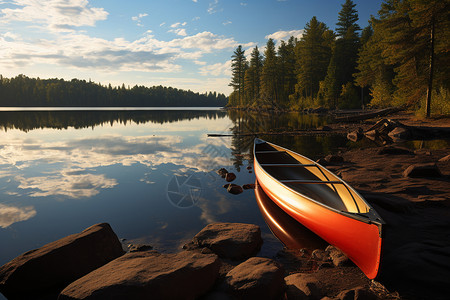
(24, 91)
(401, 58)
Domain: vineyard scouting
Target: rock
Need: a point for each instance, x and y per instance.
(445, 158)
(148, 275)
(249, 167)
(359, 293)
(222, 172)
(394, 151)
(334, 159)
(249, 186)
(337, 256)
(422, 171)
(356, 135)
(230, 177)
(139, 247)
(235, 189)
(227, 185)
(54, 265)
(399, 133)
(256, 278)
(320, 254)
(303, 286)
(371, 134)
(230, 240)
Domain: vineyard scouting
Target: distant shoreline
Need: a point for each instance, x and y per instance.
(104, 108)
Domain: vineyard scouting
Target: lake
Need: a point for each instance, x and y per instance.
(151, 174)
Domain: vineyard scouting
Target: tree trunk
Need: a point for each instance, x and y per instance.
(430, 78)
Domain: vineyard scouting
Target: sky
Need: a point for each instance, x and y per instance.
(185, 44)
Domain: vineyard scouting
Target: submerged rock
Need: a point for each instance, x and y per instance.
(230, 177)
(148, 275)
(234, 189)
(56, 264)
(222, 172)
(256, 278)
(230, 240)
(249, 186)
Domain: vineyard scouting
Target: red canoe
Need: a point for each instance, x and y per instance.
(322, 202)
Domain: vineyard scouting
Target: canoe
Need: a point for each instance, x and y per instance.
(322, 202)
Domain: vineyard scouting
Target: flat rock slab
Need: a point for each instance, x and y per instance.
(422, 171)
(303, 286)
(256, 278)
(230, 240)
(148, 275)
(56, 264)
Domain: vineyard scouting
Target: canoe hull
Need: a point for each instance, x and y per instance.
(360, 241)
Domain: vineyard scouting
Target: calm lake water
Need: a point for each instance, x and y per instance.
(149, 173)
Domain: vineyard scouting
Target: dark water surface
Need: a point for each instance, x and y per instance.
(149, 173)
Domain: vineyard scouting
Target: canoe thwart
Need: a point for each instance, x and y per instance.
(310, 181)
(270, 151)
(288, 165)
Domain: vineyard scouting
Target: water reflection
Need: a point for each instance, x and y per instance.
(12, 214)
(290, 232)
(29, 120)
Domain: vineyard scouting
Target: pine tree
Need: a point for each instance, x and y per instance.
(286, 67)
(348, 16)
(313, 55)
(239, 65)
(269, 75)
(415, 36)
(252, 76)
(345, 50)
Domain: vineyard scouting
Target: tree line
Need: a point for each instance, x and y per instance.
(24, 91)
(400, 59)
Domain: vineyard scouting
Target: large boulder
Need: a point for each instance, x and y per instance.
(230, 240)
(148, 275)
(53, 266)
(422, 171)
(256, 278)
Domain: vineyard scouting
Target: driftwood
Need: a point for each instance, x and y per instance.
(296, 132)
(367, 115)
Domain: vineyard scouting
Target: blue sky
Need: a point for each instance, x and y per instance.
(180, 43)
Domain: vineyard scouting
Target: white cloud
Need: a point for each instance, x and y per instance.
(227, 23)
(162, 24)
(285, 35)
(138, 19)
(56, 15)
(178, 24)
(195, 1)
(11, 214)
(212, 9)
(180, 31)
(217, 69)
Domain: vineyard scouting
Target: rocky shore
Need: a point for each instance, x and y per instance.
(219, 263)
